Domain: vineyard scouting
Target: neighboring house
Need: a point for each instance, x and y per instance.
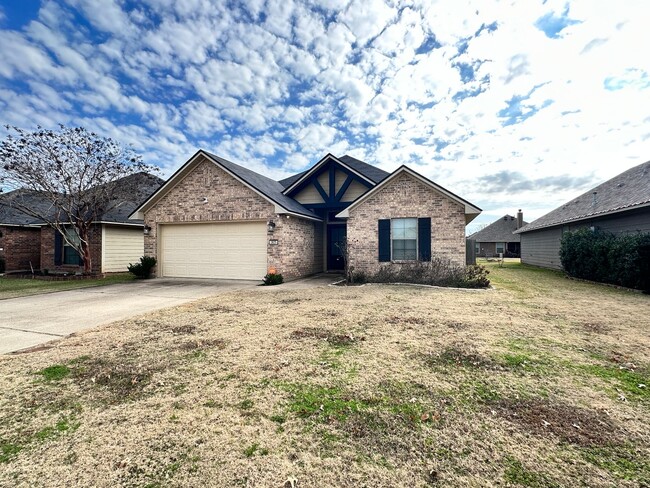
(620, 205)
(216, 219)
(27, 242)
(498, 238)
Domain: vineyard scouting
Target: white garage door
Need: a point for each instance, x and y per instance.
(232, 250)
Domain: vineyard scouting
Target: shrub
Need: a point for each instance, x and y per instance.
(272, 279)
(438, 272)
(143, 268)
(601, 256)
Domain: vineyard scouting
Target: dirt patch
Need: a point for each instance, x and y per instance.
(202, 344)
(459, 356)
(400, 320)
(586, 428)
(332, 338)
(114, 380)
(184, 329)
(218, 309)
(595, 327)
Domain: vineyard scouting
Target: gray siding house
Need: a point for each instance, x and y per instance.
(499, 237)
(620, 205)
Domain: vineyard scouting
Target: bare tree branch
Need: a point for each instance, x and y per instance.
(71, 169)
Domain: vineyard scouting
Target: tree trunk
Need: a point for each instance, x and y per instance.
(85, 250)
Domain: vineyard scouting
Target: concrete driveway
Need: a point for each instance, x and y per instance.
(29, 321)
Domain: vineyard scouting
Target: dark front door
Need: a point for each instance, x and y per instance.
(335, 246)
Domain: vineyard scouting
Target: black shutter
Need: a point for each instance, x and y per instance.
(384, 240)
(424, 239)
(58, 248)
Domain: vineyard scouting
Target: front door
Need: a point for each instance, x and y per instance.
(335, 247)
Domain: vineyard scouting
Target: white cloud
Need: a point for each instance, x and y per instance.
(277, 84)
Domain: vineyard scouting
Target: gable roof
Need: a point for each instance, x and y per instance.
(131, 190)
(267, 188)
(471, 211)
(370, 173)
(500, 230)
(629, 190)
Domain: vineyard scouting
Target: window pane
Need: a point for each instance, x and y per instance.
(404, 249)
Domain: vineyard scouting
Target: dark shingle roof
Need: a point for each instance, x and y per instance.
(137, 188)
(498, 231)
(132, 190)
(628, 190)
(373, 173)
(10, 215)
(368, 170)
(270, 188)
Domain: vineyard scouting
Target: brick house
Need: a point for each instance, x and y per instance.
(216, 219)
(27, 242)
(499, 238)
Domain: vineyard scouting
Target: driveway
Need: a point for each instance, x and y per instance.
(29, 321)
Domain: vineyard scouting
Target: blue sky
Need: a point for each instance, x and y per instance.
(508, 104)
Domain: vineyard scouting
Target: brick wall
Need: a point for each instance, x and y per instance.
(47, 251)
(405, 197)
(20, 246)
(230, 200)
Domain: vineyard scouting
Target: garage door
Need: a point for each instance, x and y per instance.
(233, 250)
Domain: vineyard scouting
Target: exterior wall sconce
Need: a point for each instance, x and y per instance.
(147, 229)
(270, 226)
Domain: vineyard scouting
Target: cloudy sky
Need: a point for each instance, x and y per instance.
(519, 104)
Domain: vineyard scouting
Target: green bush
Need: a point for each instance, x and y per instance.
(143, 268)
(272, 279)
(622, 260)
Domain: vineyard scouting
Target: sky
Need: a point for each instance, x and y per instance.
(521, 104)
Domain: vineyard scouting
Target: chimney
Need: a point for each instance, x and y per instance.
(520, 219)
(594, 201)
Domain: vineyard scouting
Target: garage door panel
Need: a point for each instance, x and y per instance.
(233, 250)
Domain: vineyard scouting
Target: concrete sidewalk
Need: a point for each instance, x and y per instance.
(29, 321)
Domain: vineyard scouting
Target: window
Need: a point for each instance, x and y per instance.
(70, 254)
(404, 236)
(501, 247)
(477, 247)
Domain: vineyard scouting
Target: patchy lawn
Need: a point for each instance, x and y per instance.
(541, 382)
(18, 287)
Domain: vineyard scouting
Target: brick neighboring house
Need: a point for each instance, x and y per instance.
(216, 219)
(27, 242)
(498, 237)
(620, 206)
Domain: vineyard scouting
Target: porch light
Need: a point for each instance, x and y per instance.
(147, 229)
(270, 226)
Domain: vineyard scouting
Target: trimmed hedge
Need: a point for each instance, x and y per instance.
(622, 260)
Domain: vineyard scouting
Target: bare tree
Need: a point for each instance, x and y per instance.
(73, 171)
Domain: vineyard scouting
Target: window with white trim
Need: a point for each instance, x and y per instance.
(404, 239)
(501, 247)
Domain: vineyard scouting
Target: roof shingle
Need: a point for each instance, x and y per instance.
(628, 190)
(500, 230)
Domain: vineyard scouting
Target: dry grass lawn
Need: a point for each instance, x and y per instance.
(540, 382)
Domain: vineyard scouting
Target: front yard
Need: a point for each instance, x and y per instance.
(540, 382)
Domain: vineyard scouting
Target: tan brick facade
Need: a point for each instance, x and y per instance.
(229, 200)
(406, 197)
(20, 247)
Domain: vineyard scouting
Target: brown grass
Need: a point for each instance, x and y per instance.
(534, 383)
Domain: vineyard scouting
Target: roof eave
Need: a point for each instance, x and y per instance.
(471, 211)
(580, 219)
(315, 168)
(138, 214)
